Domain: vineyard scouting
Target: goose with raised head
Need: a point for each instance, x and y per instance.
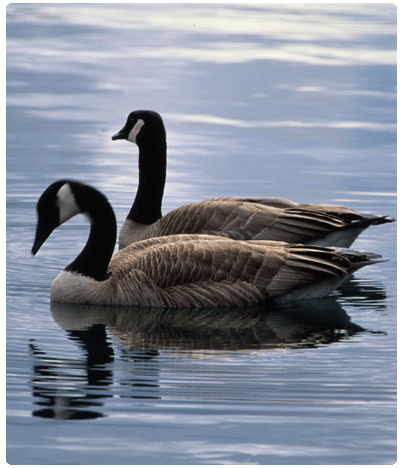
(182, 270)
(233, 217)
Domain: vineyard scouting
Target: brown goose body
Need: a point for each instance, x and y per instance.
(206, 271)
(232, 217)
(183, 270)
(258, 219)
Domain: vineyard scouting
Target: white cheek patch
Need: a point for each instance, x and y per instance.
(66, 203)
(135, 131)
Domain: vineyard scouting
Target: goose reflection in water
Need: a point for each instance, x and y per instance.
(143, 332)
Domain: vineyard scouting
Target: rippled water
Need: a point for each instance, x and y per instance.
(296, 101)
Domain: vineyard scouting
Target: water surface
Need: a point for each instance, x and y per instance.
(258, 100)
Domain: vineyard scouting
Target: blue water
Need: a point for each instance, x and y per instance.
(294, 101)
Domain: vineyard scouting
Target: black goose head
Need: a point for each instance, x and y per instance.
(56, 205)
(66, 198)
(142, 127)
(146, 129)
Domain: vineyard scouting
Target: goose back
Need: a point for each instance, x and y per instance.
(262, 219)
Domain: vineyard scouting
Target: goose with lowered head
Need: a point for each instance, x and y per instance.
(233, 217)
(182, 270)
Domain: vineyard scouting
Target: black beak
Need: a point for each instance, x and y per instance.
(121, 135)
(43, 231)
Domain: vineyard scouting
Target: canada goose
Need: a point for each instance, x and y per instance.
(182, 270)
(233, 217)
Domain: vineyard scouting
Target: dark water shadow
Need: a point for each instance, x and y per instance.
(78, 388)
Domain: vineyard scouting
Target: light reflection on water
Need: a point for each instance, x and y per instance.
(258, 100)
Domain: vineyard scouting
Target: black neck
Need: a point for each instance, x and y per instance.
(94, 259)
(146, 208)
